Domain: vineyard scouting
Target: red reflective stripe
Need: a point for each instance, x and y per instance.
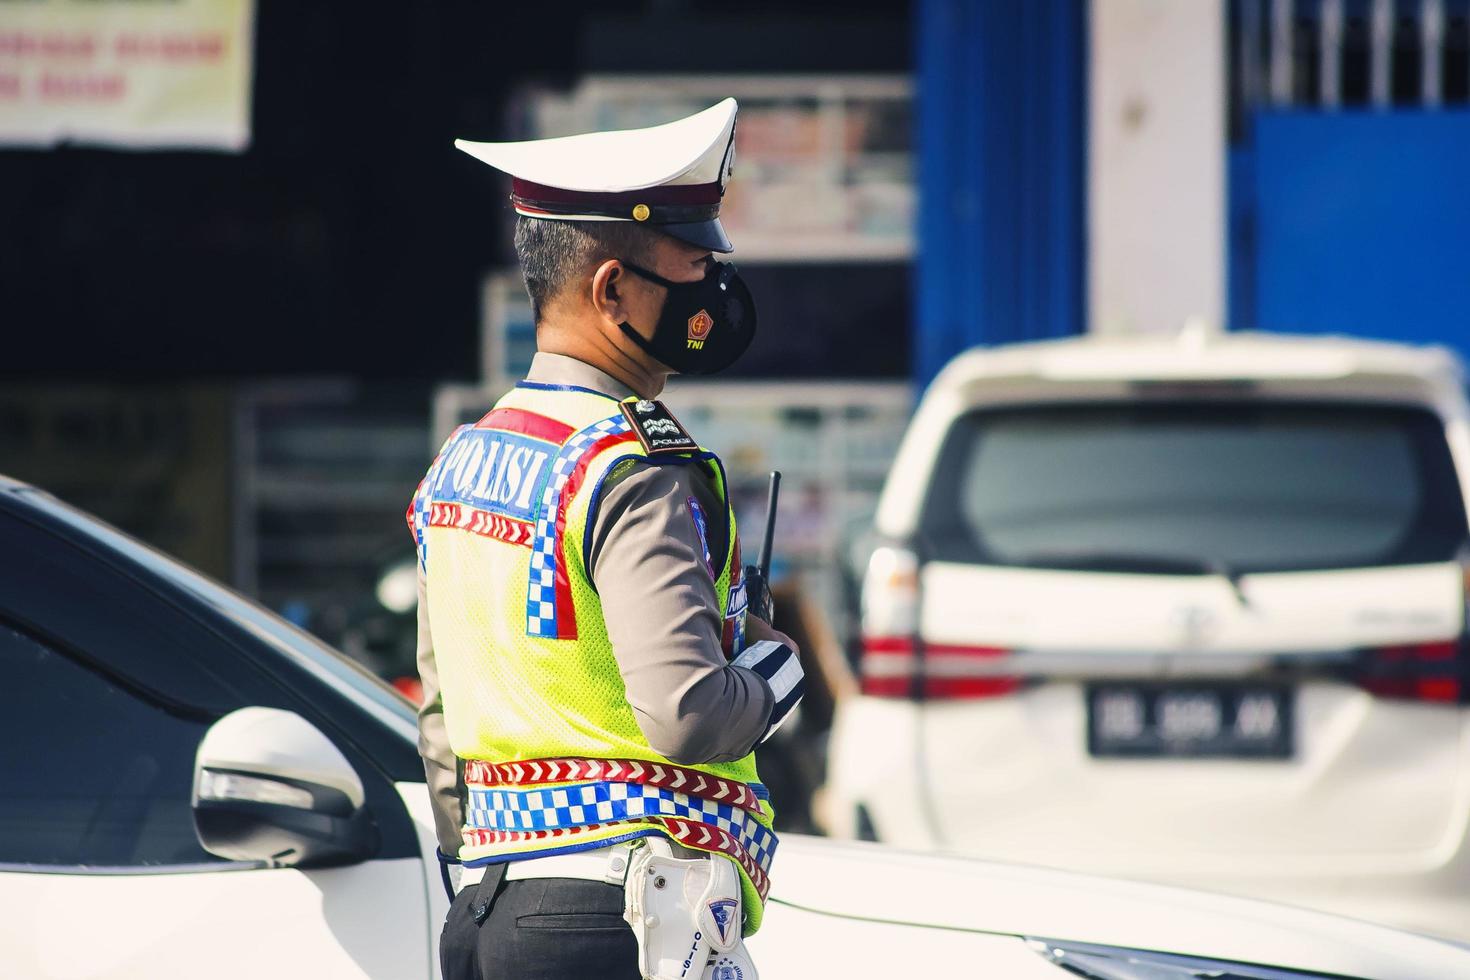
(708, 837)
(888, 687)
(1437, 651)
(970, 687)
(905, 644)
(481, 522)
(527, 424)
(889, 665)
(692, 782)
(1441, 650)
(566, 613)
(1438, 689)
(1413, 688)
(941, 687)
(954, 649)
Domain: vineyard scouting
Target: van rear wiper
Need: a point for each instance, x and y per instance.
(1139, 562)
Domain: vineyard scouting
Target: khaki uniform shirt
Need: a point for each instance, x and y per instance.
(658, 601)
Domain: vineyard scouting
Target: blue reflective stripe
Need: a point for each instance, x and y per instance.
(596, 503)
(541, 604)
(544, 386)
(421, 523)
(422, 496)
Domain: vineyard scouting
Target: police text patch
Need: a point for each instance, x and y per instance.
(491, 470)
(657, 429)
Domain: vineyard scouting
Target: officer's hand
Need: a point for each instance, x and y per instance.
(772, 656)
(758, 593)
(757, 629)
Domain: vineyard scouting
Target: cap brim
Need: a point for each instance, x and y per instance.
(703, 234)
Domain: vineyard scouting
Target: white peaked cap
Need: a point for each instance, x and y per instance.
(671, 177)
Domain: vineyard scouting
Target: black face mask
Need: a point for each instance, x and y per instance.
(705, 325)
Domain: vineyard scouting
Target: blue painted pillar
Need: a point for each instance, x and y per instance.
(1002, 116)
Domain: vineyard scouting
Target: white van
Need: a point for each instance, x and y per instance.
(1189, 610)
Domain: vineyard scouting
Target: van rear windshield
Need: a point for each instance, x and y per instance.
(1176, 487)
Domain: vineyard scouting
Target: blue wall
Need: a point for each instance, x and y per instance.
(1002, 137)
(1354, 222)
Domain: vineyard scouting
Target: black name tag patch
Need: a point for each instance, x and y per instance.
(657, 429)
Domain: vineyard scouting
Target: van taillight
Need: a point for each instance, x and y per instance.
(1414, 671)
(892, 664)
(891, 667)
(1436, 671)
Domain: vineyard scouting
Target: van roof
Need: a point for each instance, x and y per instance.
(1201, 355)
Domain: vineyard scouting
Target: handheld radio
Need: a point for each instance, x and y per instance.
(758, 576)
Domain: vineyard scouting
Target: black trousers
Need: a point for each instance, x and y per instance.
(537, 929)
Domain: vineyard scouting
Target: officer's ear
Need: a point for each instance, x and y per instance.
(609, 280)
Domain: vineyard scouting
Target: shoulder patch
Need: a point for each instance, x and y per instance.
(701, 528)
(657, 429)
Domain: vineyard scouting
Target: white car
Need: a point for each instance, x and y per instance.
(146, 709)
(1185, 610)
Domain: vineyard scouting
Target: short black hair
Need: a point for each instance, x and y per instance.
(554, 253)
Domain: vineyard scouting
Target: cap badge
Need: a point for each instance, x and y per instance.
(640, 212)
(700, 324)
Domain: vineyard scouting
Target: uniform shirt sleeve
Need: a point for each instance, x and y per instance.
(647, 561)
(441, 768)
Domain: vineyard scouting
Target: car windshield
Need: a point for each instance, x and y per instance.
(1190, 488)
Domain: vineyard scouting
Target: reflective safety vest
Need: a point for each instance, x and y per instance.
(534, 702)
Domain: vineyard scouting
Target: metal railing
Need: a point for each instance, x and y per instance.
(1333, 54)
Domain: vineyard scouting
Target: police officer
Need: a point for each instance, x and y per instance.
(593, 685)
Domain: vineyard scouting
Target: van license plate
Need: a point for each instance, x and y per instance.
(1235, 721)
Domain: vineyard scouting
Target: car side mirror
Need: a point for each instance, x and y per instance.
(270, 787)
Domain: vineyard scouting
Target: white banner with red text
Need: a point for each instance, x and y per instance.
(139, 74)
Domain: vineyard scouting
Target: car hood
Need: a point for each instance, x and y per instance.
(876, 882)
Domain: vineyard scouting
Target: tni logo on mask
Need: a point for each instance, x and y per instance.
(700, 324)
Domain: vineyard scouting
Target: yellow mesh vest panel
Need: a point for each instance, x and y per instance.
(510, 694)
